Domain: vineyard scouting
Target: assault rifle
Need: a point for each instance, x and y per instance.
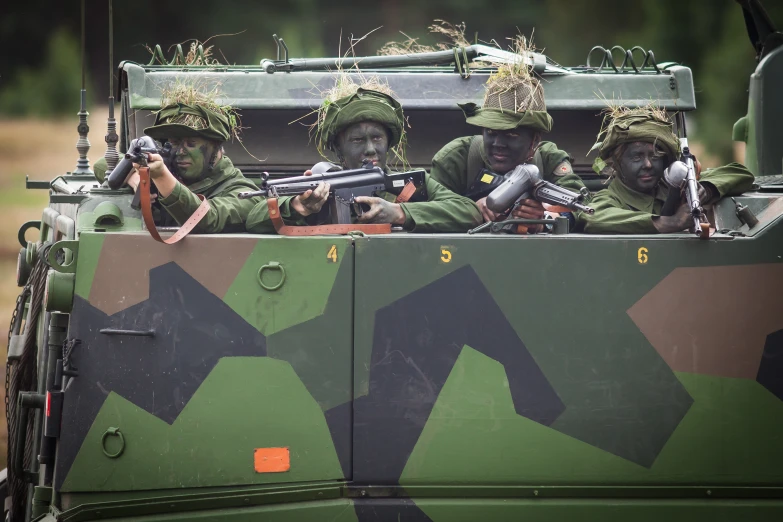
(681, 177)
(524, 182)
(137, 153)
(345, 187)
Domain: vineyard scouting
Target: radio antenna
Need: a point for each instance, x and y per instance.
(111, 155)
(83, 145)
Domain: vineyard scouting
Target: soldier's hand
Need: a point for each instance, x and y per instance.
(679, 221)
(486, 213)
(311, 201)
(133, 180)
(381, 211)
(157, 168)
(530, 209)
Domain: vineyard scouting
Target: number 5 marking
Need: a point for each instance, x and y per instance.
(641, 255)
(445, 255)
(332, 254)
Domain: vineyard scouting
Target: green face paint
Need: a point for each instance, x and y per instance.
(192, 157)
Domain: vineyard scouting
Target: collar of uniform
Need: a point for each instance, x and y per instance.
(222, 170)
(634, 199)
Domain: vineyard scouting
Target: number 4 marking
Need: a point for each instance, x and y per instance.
(332, 254)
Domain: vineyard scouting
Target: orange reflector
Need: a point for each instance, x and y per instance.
(272, 460)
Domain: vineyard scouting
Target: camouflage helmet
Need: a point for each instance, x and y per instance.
(624, 125)
(514, 98)
(192, 111)
(361, 105)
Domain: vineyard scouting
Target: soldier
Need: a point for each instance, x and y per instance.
(367, 124)
(513, 117)
(196, 130)
(637, 146)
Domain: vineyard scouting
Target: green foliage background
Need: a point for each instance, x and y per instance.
(41, 76)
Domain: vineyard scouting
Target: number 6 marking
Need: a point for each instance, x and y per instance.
(641, 255)
(332, 254)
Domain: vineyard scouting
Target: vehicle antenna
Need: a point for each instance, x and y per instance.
(83, 145)
(111, 154)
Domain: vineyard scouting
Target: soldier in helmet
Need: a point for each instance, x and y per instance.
(512, 119)
(635, 147)
(196, 130)
(366, 124)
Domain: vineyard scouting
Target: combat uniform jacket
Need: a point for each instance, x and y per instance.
(450, 165)
(444, 211)
(621, 210)
(227, 213)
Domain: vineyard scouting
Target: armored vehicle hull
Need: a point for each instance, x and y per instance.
(400, 376)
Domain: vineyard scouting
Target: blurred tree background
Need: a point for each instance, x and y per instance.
(40, 72)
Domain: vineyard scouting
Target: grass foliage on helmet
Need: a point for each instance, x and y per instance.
(192, 110)
(622, 124)
(349, 102)
(514, 97)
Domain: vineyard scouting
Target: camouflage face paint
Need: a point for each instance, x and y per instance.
(641, 166)
(366, 140)
(192, 157)
(506, 149)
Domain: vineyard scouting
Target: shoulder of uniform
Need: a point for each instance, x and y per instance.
(456, 146)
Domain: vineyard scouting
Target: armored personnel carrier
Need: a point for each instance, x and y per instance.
(403, 376)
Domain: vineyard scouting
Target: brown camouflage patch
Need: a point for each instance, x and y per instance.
(713, 320)
(122, 276)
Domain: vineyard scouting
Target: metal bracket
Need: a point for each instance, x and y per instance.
(66, 244)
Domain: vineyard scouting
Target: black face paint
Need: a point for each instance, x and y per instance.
(366, 140)
(506, 149)
(641, 166)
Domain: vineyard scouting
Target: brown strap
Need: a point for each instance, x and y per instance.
(406, 193)
(319, 230)
(704, 232)
(146, 211)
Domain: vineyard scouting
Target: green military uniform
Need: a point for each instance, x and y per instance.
(506, 106)
(451, 165)
(621, 210)
(227, 213)
(444, 211)
(99, 168)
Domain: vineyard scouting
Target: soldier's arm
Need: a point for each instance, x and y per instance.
(612, 217)
(730, 180)
(444, 211)
(557, 167)
(259, 222)
(450, 165)
(227, 213)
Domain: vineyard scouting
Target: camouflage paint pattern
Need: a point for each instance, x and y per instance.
(429, 374)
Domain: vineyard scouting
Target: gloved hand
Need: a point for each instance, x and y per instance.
(381, 211)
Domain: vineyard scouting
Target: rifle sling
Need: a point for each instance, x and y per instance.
(317, 230)
(146, 211)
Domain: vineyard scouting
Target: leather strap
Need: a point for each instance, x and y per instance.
(146, 211)
(318, 230)
(406, 193)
